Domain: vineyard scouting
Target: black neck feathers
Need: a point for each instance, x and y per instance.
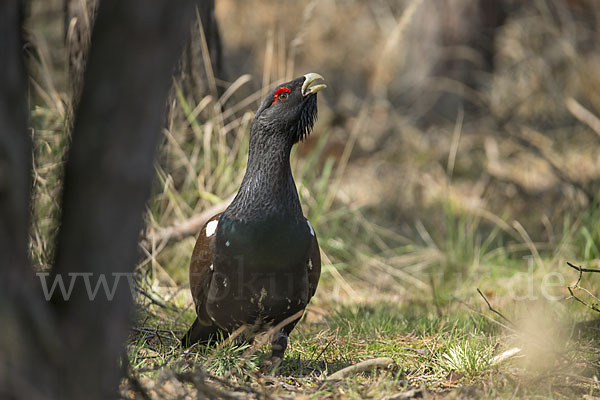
(268, 189)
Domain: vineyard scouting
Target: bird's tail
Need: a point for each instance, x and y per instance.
(191, 335)
(202, 334)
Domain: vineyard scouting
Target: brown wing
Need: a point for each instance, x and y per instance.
(201, 268)
(203, 330)
(314, 263)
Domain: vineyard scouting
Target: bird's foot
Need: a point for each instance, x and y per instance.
(278, 346)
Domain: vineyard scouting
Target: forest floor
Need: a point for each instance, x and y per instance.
(427, 345)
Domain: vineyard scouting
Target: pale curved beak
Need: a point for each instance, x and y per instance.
(308, 80)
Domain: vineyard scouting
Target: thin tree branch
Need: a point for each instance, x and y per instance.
(580, 269)
(492, 309)
(576, 286)
(367, 365)
(185, 228)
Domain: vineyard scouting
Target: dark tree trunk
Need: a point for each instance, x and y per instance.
(108, 176)
(193, 73)
(21, 308)
(465, 24)
(15, 143)
(70, 349)
(80, 16)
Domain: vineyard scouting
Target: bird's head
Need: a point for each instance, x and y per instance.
(290, 109)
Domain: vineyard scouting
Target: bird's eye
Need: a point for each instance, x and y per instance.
(281, 94)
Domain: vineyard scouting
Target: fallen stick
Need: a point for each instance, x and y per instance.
(367, 365)
(583, 114)
(185, 228)
(505, 356)
(492, 308)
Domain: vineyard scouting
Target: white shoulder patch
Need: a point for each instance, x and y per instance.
(312, 231)
(211, 228)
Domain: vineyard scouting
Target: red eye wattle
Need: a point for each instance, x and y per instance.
(278, 92)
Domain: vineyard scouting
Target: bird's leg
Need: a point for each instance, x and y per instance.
(278, 345)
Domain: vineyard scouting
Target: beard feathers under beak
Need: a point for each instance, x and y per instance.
(307, 119)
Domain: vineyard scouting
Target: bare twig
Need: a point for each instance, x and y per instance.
(583, 114)
(158, 333)
(580, 269)
(233, 336)
(576, 286)
(382, 362)
(155, 301)
(591, 306)
(492, 309)
(324, 349)
(185, 228)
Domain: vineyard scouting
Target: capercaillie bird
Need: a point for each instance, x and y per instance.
(257, 264)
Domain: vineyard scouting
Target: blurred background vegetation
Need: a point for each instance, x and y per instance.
(457, 147)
